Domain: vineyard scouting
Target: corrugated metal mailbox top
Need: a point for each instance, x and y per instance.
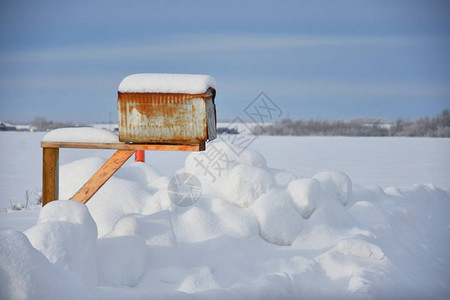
(167, 108)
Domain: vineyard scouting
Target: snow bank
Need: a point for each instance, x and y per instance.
(81, 135)
(167, 83)
(256, 232)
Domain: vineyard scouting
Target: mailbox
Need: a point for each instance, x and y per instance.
(167, 108)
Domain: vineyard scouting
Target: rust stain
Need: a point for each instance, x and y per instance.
(163, 117)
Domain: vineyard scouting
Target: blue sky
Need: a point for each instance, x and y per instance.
(64, 60)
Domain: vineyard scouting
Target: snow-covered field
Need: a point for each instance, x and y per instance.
(271, 223)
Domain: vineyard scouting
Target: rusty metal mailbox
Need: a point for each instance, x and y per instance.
(167, 108)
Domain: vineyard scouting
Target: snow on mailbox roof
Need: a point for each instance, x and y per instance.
(166, 83)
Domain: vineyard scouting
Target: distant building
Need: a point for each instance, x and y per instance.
(27, 128)
(11, 127)
(7, 127)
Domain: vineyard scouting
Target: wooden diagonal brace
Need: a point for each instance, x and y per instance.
(102, 175)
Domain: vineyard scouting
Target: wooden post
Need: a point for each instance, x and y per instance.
(102, 175)
(50, 174)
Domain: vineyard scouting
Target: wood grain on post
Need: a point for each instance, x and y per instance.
(102, 175)
(50, 174)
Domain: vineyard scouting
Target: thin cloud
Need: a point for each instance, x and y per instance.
(57, 83)
(336, 88)
(251, 86)
(202, 44)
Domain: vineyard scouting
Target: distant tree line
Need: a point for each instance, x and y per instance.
(42, 124)
(438, 126)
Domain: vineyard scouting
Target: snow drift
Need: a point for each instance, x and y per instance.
(256, 232)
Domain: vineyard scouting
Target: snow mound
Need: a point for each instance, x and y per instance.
(336, 184)
(67, 211)
(249, 157)
(361, 266)
(283, 178)
(196, 225)
(166, 83)
(234, 221)
(305, 195)
(74, 175)
(246, 183)
(120, 197)
(26, 274)
(359, 248)
(67, 235)
(368, 213)
(81, 135)
(121, 254)
(279, 223)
